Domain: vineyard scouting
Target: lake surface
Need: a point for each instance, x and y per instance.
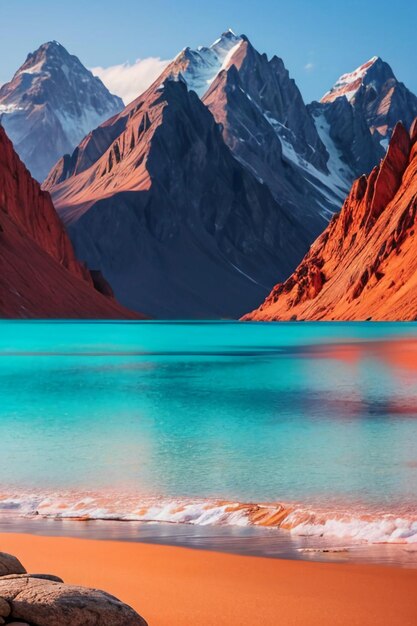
(203, 422)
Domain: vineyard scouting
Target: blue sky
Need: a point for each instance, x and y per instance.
(317, 39)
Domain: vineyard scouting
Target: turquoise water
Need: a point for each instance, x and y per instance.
(319, 414)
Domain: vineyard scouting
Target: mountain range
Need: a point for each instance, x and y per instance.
(179, 227)
(196, 198)
(50, 104)
(186, 247)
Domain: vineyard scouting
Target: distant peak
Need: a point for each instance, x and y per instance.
(228, 36)
(48, 53)
(48, 50)
(200, 66)
(50, 46)
(53, 43)
(348, 84)
(359, 72)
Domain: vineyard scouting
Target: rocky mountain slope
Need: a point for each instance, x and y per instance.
(50, 104)
(160, 173)
(39, 274)
(200, 233)
(353, 149)
(374, 92)
(355, 119)
(265, 123)
(155, 199)
(307, 155)
(364, 265)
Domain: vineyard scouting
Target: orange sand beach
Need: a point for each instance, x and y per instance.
(172, 586)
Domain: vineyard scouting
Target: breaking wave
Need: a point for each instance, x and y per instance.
(358, 526)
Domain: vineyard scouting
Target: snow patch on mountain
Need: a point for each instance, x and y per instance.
(341, 174)
(333, 186)
(348, 84)
(9, 108)
(200, 67)
(34, 69)
(329, 185)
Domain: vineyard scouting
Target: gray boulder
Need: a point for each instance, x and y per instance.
(9, 564)
(52, 577)
(48, 603)
(4, 609)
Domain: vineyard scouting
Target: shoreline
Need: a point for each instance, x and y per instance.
(172, 585)
(248, 541)
(350, 523)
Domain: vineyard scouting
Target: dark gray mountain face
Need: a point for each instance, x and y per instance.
(51, 103)
(187, 217)
(265, 124)
(385, 101)
(375, 93)
(268, 128)
(176, 223)
(356, 147)
(270, 91)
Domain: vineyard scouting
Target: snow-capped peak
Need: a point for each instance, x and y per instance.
(228, 35)
(348, 84)
(46, 52)
(53, 100)
(200, 67)
(52, 45)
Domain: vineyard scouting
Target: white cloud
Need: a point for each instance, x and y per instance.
(130, 80)
(309, 66)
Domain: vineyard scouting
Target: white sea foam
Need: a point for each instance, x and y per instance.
(358, 526)
(384, 529)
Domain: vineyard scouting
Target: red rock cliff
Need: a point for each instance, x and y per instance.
(39, 274)
(364, 265)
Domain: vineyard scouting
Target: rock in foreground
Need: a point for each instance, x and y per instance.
(9, 564)
(43, 601)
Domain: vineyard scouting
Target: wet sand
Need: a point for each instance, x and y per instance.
(179, 586)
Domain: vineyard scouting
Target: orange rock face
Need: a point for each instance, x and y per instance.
(39, 274)
(364, 265)
(32, 210)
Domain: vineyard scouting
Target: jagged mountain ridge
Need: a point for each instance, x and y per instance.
(117, 158)
(364, 265)
(356, 117)
(265, 123)
(271, 133)
(281, 101)
(178, 226)
(306, 156)
(39, 273)
(374, 91)
(50, 104)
